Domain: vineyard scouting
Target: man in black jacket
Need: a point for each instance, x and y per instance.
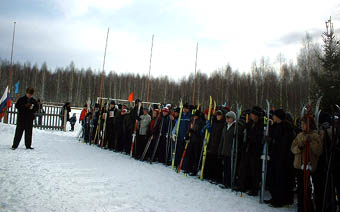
(26, 106)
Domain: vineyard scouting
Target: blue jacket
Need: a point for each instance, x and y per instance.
(183, 126)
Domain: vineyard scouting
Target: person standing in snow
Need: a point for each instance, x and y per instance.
(73, 121)
(251, 153)
(213, 167)
(143, 126)
(182, 134)
(26, 106)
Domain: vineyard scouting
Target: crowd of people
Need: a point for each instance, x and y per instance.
(175, 136)
(158, 139)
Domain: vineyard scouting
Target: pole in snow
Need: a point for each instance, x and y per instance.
(148, 92)
(102, 78)
(194, 88)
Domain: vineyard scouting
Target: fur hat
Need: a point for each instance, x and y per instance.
(280, 113)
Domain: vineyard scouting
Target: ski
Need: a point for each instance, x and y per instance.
(135, 130)
(102, 144)
(167, 145)
(176, 137)
(206, 138)
(234, 149)
(99, 121)
(146, 148)
(185, 148)
(157, 142)
(265, 156)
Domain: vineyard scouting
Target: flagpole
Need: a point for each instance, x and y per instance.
(10, 72)
(102, 78)
(148, 93)
(194, 87)
(11, 65)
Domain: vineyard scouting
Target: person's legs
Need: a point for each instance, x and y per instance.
(28, 135)
(18, 135)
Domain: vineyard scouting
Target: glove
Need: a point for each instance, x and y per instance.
(174, 137)
(186, 137)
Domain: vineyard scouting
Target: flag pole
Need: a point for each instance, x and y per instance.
(10, 73)
(194, 86)
(148, 92)
(102, 78)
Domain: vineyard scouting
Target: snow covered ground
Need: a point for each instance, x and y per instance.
(62, 174)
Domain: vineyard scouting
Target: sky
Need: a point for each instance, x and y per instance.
(228, 32)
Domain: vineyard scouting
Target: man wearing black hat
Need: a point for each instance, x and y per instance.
(110, 126)
(213, 162)
(280, 165)
(251, 153)
(26, 106)
(196, 142)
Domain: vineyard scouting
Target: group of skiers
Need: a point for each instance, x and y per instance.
(176, 136)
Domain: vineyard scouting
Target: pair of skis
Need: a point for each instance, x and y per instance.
(206, 139)
(307, 167)
(265, 156)
(156, 144)
(234, 148)
(176, 136)
(135, 129)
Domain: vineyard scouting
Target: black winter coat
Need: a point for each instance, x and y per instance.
(254, 138)
(215, 137)
(26, 109)
(227, 140)
(195, 132)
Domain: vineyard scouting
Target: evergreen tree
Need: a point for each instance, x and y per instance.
(328, 79)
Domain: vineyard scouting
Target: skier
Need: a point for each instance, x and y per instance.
(196, 142)
(26, 106)
(110, 126)
(39, 113)
(83, 114)
(182, 134)
(225, 147)
(154, 131)
(213, 162)
(251, 153)
(65, 109)
(164, 135)
(142, 137)
(298, 149)
(280, 168)
(73, 121)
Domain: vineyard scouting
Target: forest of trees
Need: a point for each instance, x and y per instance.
(289, 86)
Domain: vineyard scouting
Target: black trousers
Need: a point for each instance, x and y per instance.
(26, 126)
(226, 162)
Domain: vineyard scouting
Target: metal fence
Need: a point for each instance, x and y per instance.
(50, 117)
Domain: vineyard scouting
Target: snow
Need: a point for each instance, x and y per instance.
(63, 174)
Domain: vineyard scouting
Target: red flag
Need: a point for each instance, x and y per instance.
(131, 97)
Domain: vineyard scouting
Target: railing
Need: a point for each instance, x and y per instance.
(50, 118)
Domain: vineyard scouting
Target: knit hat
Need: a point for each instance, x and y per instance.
(219, 112)
(113, 102)
(231, 114)
(197, 113)
(280, 113)
(186, 105)
(165, 109)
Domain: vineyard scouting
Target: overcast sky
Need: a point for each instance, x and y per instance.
(234, 32)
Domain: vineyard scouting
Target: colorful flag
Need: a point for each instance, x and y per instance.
(5, 102)
(131, 97)
(17, 87)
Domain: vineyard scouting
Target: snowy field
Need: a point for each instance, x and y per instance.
(62, 174)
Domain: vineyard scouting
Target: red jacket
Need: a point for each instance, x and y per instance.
(83, 114)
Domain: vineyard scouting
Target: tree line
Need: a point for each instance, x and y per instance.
(290, 86)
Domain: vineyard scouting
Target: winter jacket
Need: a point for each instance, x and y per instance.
(227, 139)
(82, 114)
(215, 136)
(144, 124)
(298, 150)
(195, 132)
(183, 126)
(26, 109)
(254, 137)
(165, 125)
(73, 120)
